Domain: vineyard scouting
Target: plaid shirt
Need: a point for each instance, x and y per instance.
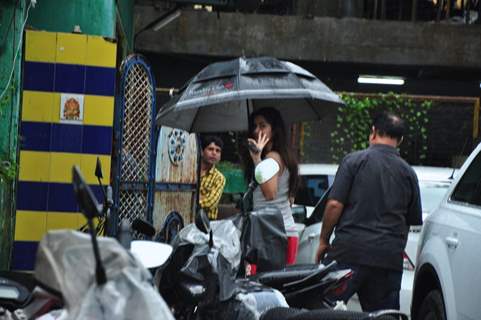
(211, 187)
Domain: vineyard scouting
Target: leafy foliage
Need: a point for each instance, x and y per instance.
(8, 168)
(6, 101)
(353, 124)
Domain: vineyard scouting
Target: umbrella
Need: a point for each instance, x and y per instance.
(221, 96)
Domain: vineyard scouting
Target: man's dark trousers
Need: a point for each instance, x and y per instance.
(377, 288)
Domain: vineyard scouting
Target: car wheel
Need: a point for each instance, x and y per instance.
(432, 307)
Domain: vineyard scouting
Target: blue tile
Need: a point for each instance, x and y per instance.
(100, 81)
(38, 76)
(61, 137)
(97, 191)
(32, 196)
(66, 138)
(35, 136)
(69, 78)
(41, 196)
(24, 254)
(97, 140)
(61, 198)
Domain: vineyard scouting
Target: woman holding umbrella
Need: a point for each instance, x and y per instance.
(268, 140)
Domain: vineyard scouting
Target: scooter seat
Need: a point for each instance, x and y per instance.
(293, 276)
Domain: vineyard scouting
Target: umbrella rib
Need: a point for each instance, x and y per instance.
(309, 101)
(194, 120)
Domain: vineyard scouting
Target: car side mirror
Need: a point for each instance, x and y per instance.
(265, 170)
(299, 213)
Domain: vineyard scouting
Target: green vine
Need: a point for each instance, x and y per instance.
(353, 124)
(8, 167)
(6, 101)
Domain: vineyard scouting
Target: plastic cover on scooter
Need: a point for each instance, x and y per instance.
(252, 300)
(266, 244)
(65, 263)
(224, 257)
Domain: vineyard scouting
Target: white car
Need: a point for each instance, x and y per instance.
(316, 178)
(448, 271)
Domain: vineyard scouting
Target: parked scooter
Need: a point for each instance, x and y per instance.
(200, 280)
(304, 286)
(69, 288)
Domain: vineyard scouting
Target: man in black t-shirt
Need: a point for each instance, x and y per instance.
(373, 201)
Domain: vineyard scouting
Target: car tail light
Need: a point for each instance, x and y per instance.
(407, 262)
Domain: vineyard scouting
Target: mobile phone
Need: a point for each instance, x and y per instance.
(253, 148)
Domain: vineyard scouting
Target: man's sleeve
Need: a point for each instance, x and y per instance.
(211, 199)
(342, 182)
(415, 212)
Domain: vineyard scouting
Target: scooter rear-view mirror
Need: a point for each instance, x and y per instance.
(98, 169)
(86, 199)
(90, 208)
(265, 170)
(202, 221)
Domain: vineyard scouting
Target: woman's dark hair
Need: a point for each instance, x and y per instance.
(279, 144)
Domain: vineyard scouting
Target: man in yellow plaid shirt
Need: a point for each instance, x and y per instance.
(212, 181)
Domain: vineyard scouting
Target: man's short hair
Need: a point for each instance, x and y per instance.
(389, 124)
(212, 139)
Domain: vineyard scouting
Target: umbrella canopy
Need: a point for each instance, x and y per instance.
(223, 95)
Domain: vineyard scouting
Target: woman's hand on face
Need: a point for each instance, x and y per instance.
(261, 142)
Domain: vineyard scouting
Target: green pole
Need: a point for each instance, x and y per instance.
(12, 15)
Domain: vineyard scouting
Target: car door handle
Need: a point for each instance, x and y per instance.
(452, 242)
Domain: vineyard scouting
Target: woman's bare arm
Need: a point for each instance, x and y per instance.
(269, 188)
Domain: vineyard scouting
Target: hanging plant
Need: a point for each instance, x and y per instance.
(353, 124)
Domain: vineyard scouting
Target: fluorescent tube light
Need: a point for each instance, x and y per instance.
(397, 81)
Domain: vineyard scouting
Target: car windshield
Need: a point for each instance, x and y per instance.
(432, 192)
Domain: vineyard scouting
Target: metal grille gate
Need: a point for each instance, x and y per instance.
(135, 143)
